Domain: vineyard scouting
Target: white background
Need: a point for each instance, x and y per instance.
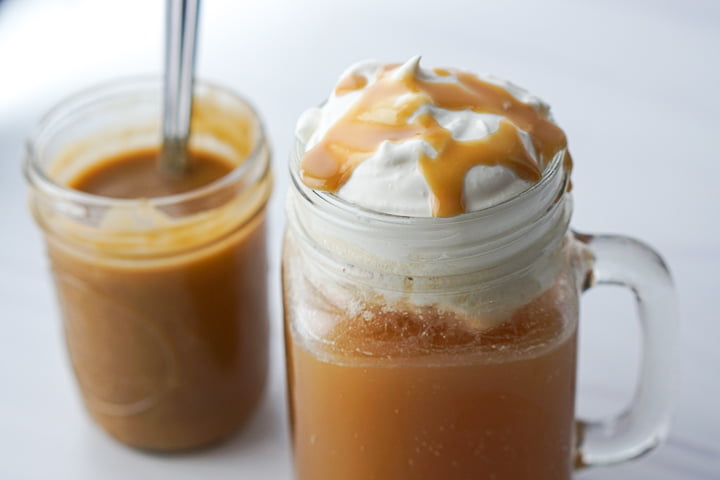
(635, 84)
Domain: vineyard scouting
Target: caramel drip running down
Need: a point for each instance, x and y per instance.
(350, 83)
(379, 116)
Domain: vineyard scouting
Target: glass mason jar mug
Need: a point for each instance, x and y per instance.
(163, 299)
(426, 348)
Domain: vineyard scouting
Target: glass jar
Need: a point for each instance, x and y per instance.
(427, 348)
(163, 300)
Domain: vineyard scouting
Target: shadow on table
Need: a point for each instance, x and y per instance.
(266, 429)
(264, 434)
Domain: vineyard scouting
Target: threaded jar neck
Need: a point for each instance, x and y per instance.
(496, 241)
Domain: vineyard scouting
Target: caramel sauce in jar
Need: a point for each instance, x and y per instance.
(161, 278)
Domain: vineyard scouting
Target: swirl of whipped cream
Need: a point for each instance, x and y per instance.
(391, 178)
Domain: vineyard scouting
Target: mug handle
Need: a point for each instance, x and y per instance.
(616, 260)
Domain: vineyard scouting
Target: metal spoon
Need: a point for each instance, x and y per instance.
(180, 38)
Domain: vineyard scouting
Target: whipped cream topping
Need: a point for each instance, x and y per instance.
(419, 142)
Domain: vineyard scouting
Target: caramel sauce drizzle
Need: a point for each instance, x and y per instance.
(381, 114)
(350, 83)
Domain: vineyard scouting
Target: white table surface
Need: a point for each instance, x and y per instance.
(635, 84)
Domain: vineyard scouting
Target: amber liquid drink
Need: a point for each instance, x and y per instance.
(431, 288)
(489, 404)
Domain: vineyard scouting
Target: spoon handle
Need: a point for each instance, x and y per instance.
(180, 40)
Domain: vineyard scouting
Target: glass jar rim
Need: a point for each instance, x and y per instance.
(37, 177)
(505, 237)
